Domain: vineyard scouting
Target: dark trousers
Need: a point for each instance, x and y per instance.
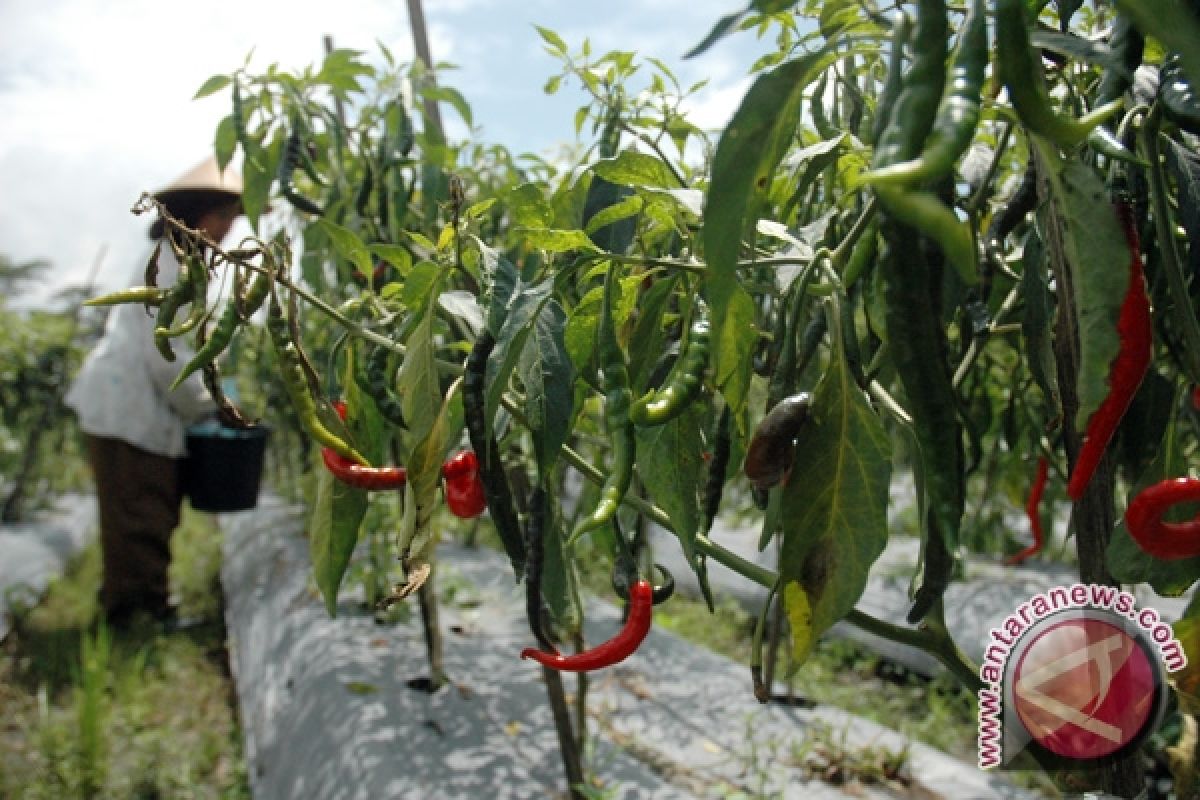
(140, 497)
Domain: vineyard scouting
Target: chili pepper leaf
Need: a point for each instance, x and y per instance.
(747, 156)
(417, 539)
(347, 245)
(520, 318)
(556, 240)
(1184, 167)
(670, 462)
(609, 203)
(500, 277)
(1144, 424)
(528, 206)
(833, 507)
(606, 219)
(417, 385)
(213, 85)
(258, 173)
(631, 168)
(225, 142)
(648, 333)
(1097, 256)
(549, 378)
(337, 515)
(1036, 323)
(559, 578)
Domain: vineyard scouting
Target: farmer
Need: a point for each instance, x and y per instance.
(133, 426)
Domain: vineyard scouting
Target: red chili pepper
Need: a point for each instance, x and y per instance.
(357, 475)
(361, 477)
(1032, 510)
(465, 496)
(1164, 540)
(616, 649)
(1128, 368)
(462, 463)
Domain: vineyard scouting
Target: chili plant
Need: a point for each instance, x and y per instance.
(933, 229)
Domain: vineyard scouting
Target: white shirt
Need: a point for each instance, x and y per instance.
(121, 391)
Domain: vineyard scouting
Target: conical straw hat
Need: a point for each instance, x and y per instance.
(205, 176)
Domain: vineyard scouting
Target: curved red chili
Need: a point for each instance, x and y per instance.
(616, 649)
(1033, 511)
(1164, 540)
(1128, 368)
(358, 475)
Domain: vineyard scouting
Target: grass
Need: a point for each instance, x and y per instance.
(135, 713)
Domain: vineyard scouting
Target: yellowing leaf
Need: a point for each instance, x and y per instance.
(800, 620)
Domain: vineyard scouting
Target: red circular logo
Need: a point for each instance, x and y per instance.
(1084, 688)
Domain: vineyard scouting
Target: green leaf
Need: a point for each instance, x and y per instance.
(580, 335)
(337, 515)
(649, 334)
(347, 245)
(560, 588)
(1098, 258)
(834, 507)
(747, 155)
(417, 539)
(549, 379)
(631, 168)
(213, 85)
(454, 98)
(418, 386)
(558, 241)
(528, 206)
(722, 27)
(258, 173)
(670, 462)
(420, 285)
(616, 212)
(520, 318)
(552, 40)
(733, 354)
(396, 255)
(225, 141)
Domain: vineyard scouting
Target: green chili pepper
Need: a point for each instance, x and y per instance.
(917, 342)
(912, 116)
(617, 400)
(176, 297)
(287, 165)
(150, 295)
(295, 381)
(1018, 65)
(683, 384)
(222, 332)
(957, 114)
(197, 281)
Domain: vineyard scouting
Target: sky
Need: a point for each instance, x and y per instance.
(96, 96)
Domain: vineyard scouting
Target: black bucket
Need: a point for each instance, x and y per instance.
(224, 466)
